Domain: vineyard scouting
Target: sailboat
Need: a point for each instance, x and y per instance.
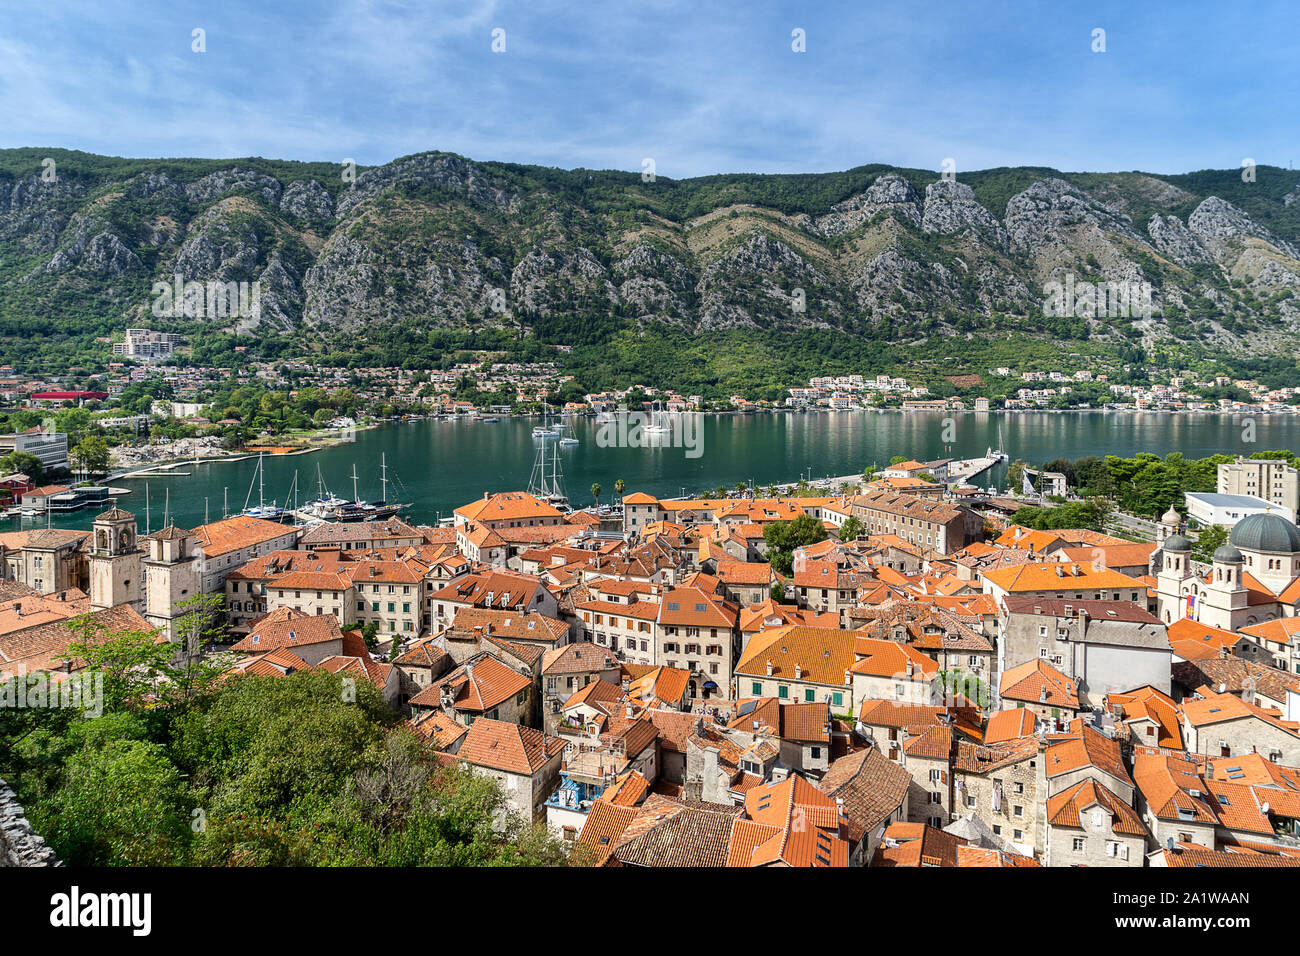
(544, 431)
(547, 480)
(325, 506)
(997, 454)
(658, 424)
(330, 507)
(265, 512)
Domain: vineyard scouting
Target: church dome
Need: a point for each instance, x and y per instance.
(1170, 517)
(1227, 554)
(1265, 532)
(1176, 542)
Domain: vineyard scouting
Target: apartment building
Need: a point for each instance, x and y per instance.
(1274, 481)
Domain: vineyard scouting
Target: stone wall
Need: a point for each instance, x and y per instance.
(19, 845)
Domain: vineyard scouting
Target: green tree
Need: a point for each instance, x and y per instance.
(1089, 514)
(132, 662)
(852, 529)
(595, 492)
(91, 455)
(1015, 475)
(22, 462)
(122, 804)
(619, 487)
(1208, 541)
(783, 537)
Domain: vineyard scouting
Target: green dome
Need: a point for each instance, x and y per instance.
(1176, 542)
(1265, 532)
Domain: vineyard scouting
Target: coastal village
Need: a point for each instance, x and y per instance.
(890, 677)
(487, 386)
(148, 411)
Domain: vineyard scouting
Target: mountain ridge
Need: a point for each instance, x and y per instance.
(435, 240)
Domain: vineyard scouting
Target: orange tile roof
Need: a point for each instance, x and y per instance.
(1026, 539)
(1149, 703)
(1057, 576)
(1192, 640)
(823, 655)
(883, 658)
(805, 825)
(1086, 748)
(1037, 682)
(511, 625)
(745, 572)
(499, 745)
(241, 531)
(1064, 809)
(1009, 725)
(663, 686)
(1211, 708)
(478, 685)
(692, 607)
(916, 844)
(605, 823)
(286, 627)
(507, 506)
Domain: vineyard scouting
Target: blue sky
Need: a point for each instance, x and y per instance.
(701, 86)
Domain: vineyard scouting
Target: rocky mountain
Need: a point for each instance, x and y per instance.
(440, 241)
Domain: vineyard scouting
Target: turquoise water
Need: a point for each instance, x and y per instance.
(438, 466)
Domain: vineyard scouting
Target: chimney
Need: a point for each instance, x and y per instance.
(769, 668)
(848, 676)
(1042, 694)
(798, 672)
